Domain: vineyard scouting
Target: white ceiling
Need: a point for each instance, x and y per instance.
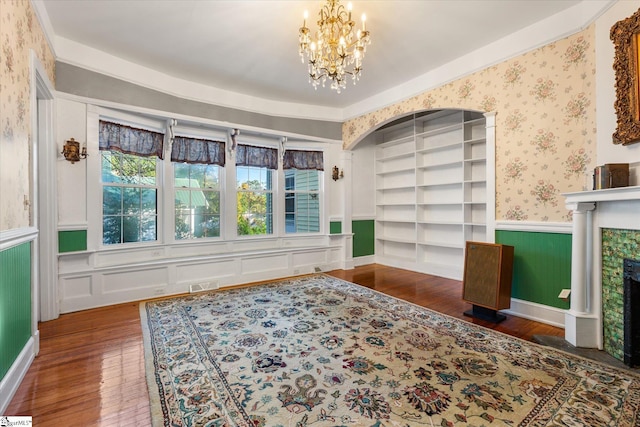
(250, 47)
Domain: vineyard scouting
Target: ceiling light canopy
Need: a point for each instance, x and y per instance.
(335, 52)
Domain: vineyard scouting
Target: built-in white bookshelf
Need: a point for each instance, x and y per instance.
(431, 190)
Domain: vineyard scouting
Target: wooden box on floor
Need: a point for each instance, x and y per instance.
(488, 270)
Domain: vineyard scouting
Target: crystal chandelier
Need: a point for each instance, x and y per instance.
(335, 52)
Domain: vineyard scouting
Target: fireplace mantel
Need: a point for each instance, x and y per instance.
(593, 210)
(608, 195)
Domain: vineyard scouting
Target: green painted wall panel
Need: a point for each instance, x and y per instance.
(541, 265)
(72, 241)
(363, 237)
(15, 303)
(335, 227)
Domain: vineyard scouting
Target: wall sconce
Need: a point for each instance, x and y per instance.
(71, 151)
(336, 173)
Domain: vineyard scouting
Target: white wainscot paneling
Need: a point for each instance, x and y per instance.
(306, 259)
(264, 264)
(134, 281)
(94, 279)
(71, 263)
(77, 293)
(77, 287)
(192, 273)
(128, 256)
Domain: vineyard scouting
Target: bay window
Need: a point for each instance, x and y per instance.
(147, 198)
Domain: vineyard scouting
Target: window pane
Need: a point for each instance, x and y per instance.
(209, 226)
(197, 175)
(211, 179)
(148, 229)
(289, 180)
(111, 166)
(130, 229)
(242, 176)
(111, 200)
(183, 225)
(131, 201)
(213, 202)
(181, 170)
(112, 230)
(149, 205)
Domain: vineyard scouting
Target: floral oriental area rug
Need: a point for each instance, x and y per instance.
(319, 351)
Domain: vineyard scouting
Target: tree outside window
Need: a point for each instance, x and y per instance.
(254, 200)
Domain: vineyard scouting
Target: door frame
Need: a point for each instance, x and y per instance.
(44, 203)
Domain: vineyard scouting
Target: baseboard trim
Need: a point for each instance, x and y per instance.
(533, 311)
(364, 260)
(11, 381)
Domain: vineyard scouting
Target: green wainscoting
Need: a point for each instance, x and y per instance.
(15, 303)
(541, 265)
(363, 237)
(72, 241)
(335, 227)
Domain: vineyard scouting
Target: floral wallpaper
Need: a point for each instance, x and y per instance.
(545, 123)
(20, 32)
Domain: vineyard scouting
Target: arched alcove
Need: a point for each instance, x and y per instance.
(434, 185)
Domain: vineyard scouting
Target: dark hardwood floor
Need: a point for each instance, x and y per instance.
(90, 370)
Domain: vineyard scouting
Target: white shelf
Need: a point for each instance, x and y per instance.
(402, 187)
(441, 147)
(443, 244)
(442, 165)
(441, 203)
(397, 171)
(441, 184)
(445, 129)
(431, 186)
(397, 240)
(397, 156)
(476, 160)
(440, 222)
(395, 204)
(402, 221)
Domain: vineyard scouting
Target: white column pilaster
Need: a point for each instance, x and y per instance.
(580, 319)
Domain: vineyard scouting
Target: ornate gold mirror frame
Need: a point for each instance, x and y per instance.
(626, 38)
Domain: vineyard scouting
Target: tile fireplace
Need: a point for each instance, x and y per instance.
(594, 214)
(631, 276)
